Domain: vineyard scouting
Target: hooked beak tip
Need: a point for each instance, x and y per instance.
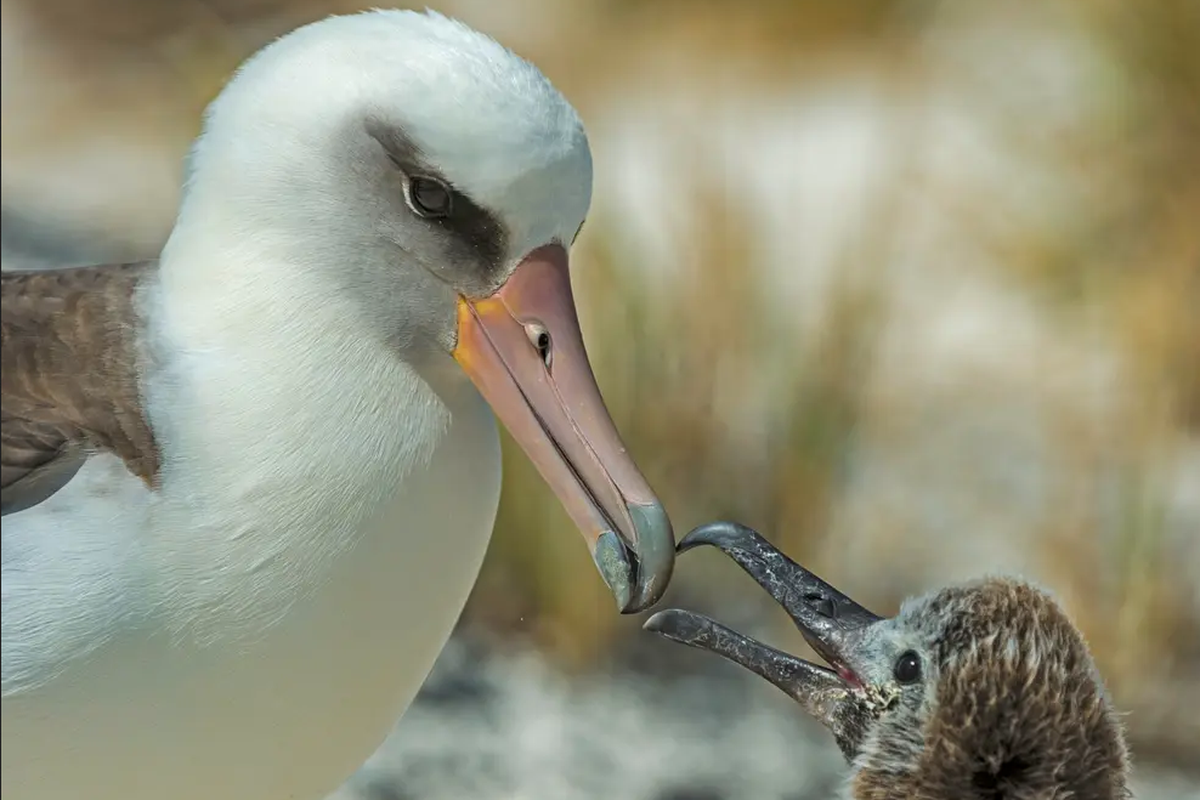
(672, 624)
(657, 621)
(638, 577)
(615, 568)
(716, 534)
(655, 555)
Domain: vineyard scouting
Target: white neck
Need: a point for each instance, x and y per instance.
(308, 425)
(298, 572)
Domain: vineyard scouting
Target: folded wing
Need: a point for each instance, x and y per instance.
(71, 360)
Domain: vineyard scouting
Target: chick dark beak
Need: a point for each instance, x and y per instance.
(825, 617)
(829, 621)
(819, 691)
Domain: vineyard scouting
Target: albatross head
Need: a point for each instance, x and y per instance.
(421, 172)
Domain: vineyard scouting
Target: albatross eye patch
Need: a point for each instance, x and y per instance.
(429, 198)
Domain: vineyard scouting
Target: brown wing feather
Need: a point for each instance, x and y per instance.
(71, 362)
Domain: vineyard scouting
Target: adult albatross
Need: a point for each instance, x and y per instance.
(248, 487)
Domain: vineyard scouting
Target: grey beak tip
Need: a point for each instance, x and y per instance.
(614, 567)
(715, 534)
(659, 622)
(677, 625)
(656, 556)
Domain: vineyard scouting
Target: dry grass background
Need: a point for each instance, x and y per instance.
(974, 374)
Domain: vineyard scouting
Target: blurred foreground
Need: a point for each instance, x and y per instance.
(510, 728)
(913, 288)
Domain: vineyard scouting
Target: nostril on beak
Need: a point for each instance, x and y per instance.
(821, 604)
(539, 337)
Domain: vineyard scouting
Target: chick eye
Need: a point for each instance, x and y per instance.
(429, 198)
(908, 667)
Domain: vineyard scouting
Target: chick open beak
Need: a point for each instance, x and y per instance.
(828, 620)
(523, 349)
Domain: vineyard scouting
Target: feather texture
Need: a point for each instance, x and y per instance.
(71, 363)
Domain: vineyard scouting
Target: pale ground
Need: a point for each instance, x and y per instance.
(497, 727)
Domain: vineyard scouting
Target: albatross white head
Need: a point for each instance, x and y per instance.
(426, 175)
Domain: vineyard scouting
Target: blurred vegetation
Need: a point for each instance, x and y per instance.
(731, 412)
(1128, 263)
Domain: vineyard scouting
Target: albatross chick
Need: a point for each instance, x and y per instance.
(979, 691)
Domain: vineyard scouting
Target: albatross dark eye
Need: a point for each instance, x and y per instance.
(908, 667)
(429, 198)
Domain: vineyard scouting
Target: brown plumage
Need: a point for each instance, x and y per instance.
(980, 691)
(1019, 710)
(71, 366)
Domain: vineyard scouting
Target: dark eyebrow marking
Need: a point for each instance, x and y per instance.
(402, 150)
(472, 225)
